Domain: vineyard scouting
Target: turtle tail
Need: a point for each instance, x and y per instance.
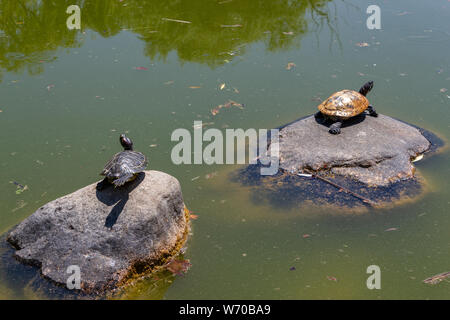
(366, 88)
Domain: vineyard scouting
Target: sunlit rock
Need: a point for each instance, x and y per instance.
(374, 150)
(368, 164)
(111, 235)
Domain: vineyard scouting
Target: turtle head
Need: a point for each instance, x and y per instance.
(366, 88)
(126, 142)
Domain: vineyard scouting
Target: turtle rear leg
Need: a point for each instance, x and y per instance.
(122, 180)
(335, 128)
(372, 111)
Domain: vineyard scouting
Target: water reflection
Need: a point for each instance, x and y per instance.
(31, 31)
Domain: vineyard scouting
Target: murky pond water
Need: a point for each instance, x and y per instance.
(67, 94)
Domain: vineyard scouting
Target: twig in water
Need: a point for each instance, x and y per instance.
(356, 195)
(176, 20)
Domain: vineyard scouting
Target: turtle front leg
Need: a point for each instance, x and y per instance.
(335, 128)
(122, 180)
(372, 111)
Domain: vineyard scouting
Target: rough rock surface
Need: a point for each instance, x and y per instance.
(110, 234)
(375, 151)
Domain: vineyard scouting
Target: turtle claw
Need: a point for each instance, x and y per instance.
(334, 131)
(335, 128)
(122, 180)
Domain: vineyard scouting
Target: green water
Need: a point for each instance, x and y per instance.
(67, 94)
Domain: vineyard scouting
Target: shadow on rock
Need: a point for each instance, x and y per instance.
(347, 123)
(118, 196)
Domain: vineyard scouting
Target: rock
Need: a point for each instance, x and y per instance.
(375, 151)
(367, 165)
(111, 235)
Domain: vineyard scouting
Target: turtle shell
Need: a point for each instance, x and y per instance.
(344, 104)
(125, 162)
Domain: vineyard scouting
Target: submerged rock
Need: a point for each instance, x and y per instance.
(369, 162)
(111, 235)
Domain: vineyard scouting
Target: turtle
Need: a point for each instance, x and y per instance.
(123, 166)
(345, 104)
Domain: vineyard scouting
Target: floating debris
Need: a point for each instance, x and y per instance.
(176, 20)
(307, 175)
(222, 86)
(331, 278)
(211, 175)
(190, 213)
(437, 278)
(140, 68)
(20, 205)
(418, 158)
(231, 25)
(169, 82)
(443, 90)
(362, 44)
(228, 104)
(198, 126)
(290, 65)
(391, 229)
(292, 268)
(178, 267)
(289, 33)
(306, 235)
(194, 87)
(50, 86)
(20, 188)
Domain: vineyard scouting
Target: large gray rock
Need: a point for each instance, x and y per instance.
(375, 151)
(111, 235)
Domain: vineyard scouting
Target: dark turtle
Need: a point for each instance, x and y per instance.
(344, 105)
(124, 166)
